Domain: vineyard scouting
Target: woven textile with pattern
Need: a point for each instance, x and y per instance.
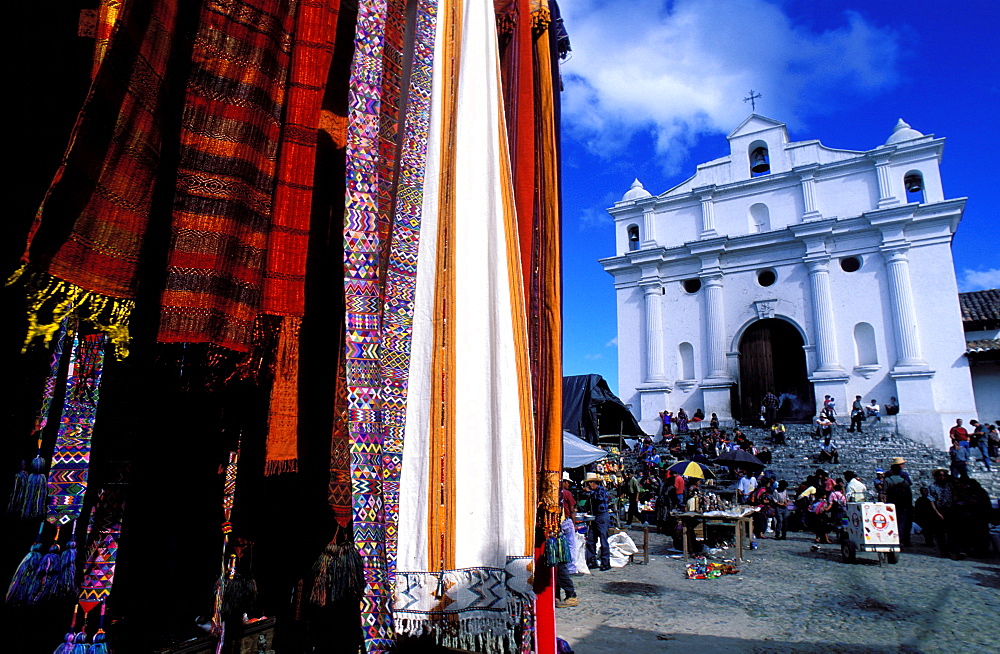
(230, 129)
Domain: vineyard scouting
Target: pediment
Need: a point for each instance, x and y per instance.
(756, 123)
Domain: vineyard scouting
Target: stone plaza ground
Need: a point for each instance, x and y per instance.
(789, 597)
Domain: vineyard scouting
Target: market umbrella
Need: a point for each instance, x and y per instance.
(739, 459)
(691, 469)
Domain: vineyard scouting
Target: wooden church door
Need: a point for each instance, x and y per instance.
(772, 359)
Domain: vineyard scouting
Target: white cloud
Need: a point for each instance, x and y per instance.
(592, 357)
(977, 280)
(676, 71)
(612, 343)
(592, 217)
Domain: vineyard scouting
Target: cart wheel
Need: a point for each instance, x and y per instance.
(892, 557)
(848, 552)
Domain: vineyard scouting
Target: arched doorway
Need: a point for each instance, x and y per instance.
(772, 359)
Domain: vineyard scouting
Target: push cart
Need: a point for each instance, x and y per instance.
(870, 527)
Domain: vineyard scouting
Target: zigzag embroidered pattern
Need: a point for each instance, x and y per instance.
(397, 313)
(362, 299)
(71, 459)
(99, 570)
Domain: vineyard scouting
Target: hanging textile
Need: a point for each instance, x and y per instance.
(71, 458)
(230, 126)
(544, 290)
(102, 550)
(362, 249)
(288, 238)
(467, 501)
(85, 243)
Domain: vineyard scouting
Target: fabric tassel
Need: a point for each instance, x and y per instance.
(556, 551)
(321, 576)
(20, 586)
(218, 622)
(45, 585)
(346, 573)
(239, 595)
(35, 490)
(67, 646)
(17, 495)
(67, 576)
(99, 646)
(80, 643)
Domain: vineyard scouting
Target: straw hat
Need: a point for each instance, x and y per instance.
(898, 461)
(592, 476)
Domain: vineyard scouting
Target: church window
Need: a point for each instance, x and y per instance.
(766, 277)
(691, 285)
(759, 219)
(686, 361)
(760, 164)
(864, 344)
(633, 238)
(850, 264)
(913, 181)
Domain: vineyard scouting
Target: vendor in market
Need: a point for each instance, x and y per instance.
(598, 504)
(564, 583)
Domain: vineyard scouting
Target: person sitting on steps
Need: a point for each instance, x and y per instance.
(828, 452)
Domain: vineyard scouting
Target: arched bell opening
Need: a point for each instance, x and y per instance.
(913, 182)
(760, 162)
(633, 238)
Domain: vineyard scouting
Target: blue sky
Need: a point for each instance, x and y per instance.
(652, 88)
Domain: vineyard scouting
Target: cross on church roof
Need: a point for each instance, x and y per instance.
(752, 100)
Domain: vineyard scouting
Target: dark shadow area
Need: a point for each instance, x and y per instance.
(633, 588)
(990, 578)
(604, 640)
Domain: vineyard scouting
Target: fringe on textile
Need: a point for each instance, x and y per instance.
(550, 509)
(489, 635)
(512, 633)
(541, 17)
(283, 416)
(505, 12)
(51, 300)
(479, 609)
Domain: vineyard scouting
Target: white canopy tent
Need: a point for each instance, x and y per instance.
(578, 452)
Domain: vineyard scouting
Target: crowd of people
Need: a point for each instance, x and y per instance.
(983, 442)
(953, 512)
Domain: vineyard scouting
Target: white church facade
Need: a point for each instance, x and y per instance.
(795, 268)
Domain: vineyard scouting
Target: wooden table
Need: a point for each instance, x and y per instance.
(690, 519)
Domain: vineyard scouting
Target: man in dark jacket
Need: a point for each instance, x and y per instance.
(629, 490)
(597, 504)
(896, 490)
(857, 415)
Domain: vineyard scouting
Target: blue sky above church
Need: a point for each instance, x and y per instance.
(652, 88)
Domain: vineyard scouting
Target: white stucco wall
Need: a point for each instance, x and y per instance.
(986, 382)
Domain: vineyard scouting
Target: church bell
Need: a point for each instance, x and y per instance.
(758, 161)
(913, 183)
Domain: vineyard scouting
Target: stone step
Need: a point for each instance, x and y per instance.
(863, 453)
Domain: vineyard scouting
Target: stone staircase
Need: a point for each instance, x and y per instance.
(863, 453)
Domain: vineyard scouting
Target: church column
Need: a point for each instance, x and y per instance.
(707, 212)
(648, 228)
(885, 195)
(822, 309)
(904, 314)
(809, 197)
(715, 320)
(655, 370)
